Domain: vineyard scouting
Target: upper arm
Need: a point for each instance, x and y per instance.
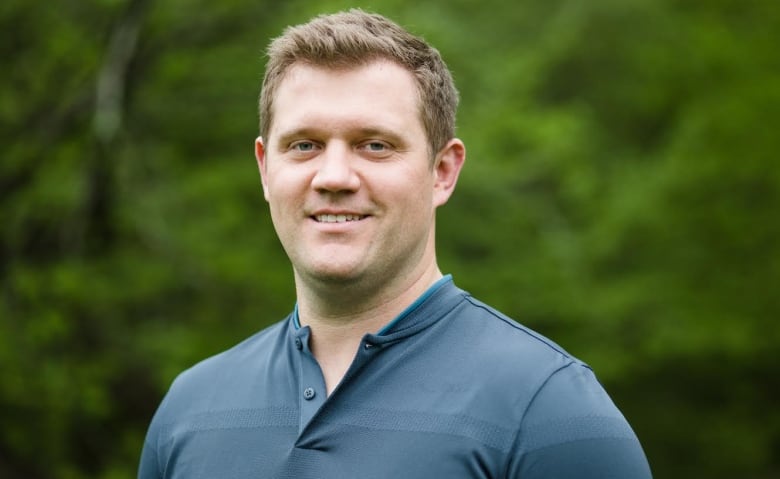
(573, 429)
(148, 467)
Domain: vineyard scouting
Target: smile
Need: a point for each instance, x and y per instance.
(337, 218)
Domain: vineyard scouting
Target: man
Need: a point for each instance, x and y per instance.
(385, 369)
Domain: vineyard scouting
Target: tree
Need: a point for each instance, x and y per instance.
(620, 197)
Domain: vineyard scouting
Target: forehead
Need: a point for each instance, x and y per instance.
(379, 92)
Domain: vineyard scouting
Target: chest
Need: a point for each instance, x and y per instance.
(367, 443)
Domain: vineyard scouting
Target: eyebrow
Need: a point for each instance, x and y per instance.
(286, 137)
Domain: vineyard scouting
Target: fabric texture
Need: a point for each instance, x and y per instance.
(450, 389)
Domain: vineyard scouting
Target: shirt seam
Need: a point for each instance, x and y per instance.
(516, 440)
(513, 324)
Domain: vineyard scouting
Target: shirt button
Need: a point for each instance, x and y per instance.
(308, 394)
(298, 344)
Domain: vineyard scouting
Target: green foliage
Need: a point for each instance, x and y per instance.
(620, 196)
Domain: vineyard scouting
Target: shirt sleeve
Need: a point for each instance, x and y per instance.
(573, 429)
(149, 465)
(147, 468)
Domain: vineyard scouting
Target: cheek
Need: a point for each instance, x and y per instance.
(282, 202)
(416, 199)
(282, 187)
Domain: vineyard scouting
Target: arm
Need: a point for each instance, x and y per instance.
(573, 429)
(147, 468)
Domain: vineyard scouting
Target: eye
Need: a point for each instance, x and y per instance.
(303, 146)
(376, 148)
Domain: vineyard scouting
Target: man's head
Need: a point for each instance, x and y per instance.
(357, 153)
(355, 38)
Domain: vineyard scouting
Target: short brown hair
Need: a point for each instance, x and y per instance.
(355, 38)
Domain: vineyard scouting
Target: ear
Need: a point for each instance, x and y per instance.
(261, 164)
(446, 169)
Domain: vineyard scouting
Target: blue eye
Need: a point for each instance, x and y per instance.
(304, 146)
(375, 147)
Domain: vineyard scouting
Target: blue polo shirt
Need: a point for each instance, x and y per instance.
(449, 389)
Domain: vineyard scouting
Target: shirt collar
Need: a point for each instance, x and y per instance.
(417, 303)
(389, 327)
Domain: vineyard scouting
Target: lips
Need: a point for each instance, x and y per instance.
(337, 218)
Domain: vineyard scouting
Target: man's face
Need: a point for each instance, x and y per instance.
(347, 172)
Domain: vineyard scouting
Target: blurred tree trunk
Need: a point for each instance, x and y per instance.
(99, 229)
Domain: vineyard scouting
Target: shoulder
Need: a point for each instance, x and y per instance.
(553, 379)
(498, 337)
(207, 394)
(566, 423)
(225, 373)
(257, 347)
(501, 363)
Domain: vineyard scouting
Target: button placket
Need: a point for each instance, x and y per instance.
(312, 383)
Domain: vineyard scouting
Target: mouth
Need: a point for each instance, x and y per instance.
(346, 218)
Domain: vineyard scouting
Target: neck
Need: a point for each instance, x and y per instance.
(339, 317)
(348, 307)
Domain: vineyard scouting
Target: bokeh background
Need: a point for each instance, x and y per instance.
(621, 195)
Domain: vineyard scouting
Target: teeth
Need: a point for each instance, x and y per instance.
(337, 218)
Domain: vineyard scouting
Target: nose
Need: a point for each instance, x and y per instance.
(335, 170)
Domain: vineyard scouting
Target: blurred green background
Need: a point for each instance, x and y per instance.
(621, 195)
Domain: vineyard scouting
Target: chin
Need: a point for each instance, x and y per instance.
(334, 276)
